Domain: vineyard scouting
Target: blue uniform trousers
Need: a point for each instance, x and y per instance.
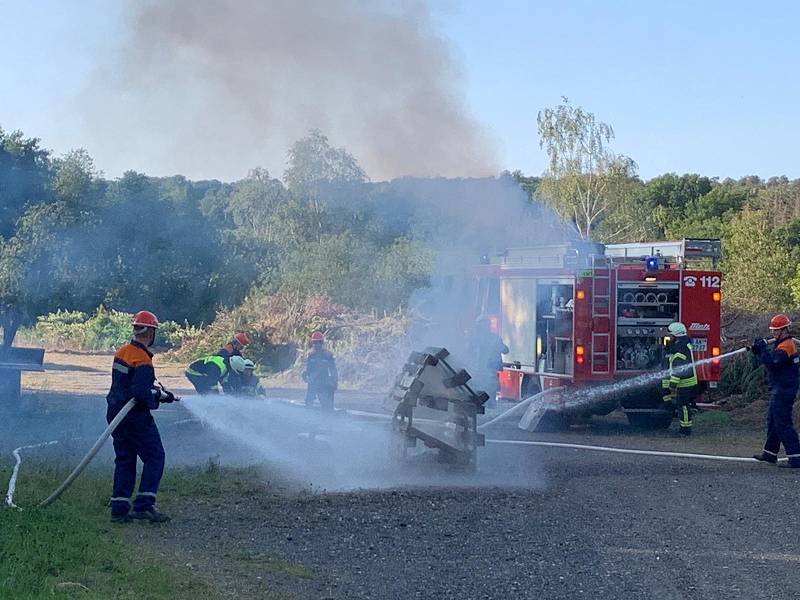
(323, 393)
(136, 436)
(780, 429)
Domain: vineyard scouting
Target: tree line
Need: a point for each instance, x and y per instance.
(72, 239)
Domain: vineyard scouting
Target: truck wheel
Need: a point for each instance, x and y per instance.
(649, 421)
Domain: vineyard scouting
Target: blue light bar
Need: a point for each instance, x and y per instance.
(651, 264)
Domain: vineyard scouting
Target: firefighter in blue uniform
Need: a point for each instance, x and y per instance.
(681, 386)
(320, 373)
(782, 364)
(133, 377)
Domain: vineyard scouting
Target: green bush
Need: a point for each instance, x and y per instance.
(105, 330)
(742, 375)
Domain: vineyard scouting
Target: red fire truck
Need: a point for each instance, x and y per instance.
(583, 314)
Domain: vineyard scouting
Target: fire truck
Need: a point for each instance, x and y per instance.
(586, 314)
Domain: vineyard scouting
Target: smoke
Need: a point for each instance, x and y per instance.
(466, 221)
(214, 88)
(337, 452)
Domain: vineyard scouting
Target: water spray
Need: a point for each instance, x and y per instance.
(581, 399)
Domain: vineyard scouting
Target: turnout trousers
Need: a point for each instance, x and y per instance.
(684, 398)
(322, 393)
(203, 384)
(780, 429)
(136, 436)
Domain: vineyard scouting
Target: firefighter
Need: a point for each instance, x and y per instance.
(782, 364)
(486, 349)
(206, 373)
(234, 347)
(320, 373)
(681, 385)
(133, 377)
(251, 386)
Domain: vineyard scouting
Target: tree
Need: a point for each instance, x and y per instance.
(313, 161)
(166, 257)
(583, 177)
(708, 215)
(758, 264)
(24, 177)
(254, 204)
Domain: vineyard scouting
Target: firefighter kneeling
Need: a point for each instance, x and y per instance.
(681, 386)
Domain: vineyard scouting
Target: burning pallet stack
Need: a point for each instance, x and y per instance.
(435, 405)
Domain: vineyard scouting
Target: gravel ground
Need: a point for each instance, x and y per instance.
(581, 525)
(545, 523)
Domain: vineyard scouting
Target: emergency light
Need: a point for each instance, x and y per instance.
(651, 264)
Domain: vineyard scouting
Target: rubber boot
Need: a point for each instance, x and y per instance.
(761, 457)
(151, 515)
(121, 519)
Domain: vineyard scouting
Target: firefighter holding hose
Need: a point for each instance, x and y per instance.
(133, 377)
(681, 385)
(782, 364)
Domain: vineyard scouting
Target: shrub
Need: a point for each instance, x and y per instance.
(105, 330)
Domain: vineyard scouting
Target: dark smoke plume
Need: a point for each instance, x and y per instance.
(213, 88)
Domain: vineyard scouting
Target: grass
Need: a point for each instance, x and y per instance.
(71, 550)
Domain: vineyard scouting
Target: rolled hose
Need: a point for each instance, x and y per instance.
(89, 455)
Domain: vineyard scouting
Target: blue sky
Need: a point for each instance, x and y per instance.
(709, 87)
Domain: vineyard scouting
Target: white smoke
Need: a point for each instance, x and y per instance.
(214, 88)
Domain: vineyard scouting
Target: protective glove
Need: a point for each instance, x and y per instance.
(759, 345)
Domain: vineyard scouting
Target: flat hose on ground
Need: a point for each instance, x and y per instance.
(89, 455)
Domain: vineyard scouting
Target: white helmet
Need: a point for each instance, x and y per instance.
(677, 329)
(237, 364)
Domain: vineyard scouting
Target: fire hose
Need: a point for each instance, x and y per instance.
(89, 455)
(92, 452)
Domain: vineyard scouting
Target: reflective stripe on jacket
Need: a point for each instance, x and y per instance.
(209, 366)
(132, 377)
(680, 362)
(782, 365)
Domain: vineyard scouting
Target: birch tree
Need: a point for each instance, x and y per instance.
(584, 177)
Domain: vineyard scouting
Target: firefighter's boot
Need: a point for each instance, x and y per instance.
(121, 519)
(767, 458)
(151, 514)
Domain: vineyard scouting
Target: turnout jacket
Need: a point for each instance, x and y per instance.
(782, 365)
(133, 377)
(214, 367)
(680, 362)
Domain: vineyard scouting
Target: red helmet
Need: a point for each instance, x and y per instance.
(242, 338)
(144, 318)
(317, 337)
(779, 322)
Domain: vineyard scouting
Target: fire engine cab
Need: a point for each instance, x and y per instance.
(583, 313)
